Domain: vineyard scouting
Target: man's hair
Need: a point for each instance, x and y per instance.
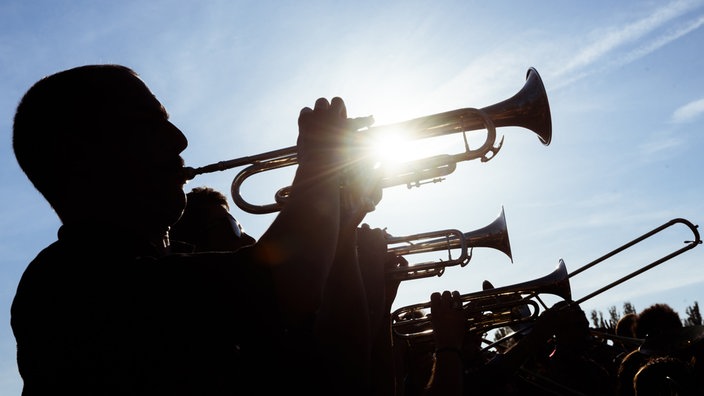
(193, 220)
(665, 375)
(55, 114)
(200, 197)
(627, 370)
(626, 325)
(655, 319)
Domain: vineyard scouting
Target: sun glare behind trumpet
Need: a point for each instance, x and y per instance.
(395, 148)
(391, 148)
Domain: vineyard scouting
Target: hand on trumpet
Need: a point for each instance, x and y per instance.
(448, 320)
(361, 186)
(321, 133)
(449, 329)
(361, 191)
(328, 140)
(312, 227)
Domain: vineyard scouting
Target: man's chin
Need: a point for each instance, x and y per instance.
(168, 210)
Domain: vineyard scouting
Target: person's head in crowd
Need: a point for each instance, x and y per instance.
(656, 320)
(207, 224)
(665, 375)
(625, 327)
(627, 370)
(573, 333)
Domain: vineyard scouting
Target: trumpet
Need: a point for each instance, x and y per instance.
(501, 307)
(488, 309)
(493, 235)
(528, 108)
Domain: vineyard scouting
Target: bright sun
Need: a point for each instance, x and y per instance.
(396, 154)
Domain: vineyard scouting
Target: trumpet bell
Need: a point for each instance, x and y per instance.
(528, 108)
(494, 235)
(556, 283)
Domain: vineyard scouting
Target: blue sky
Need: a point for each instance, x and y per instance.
(623, 79)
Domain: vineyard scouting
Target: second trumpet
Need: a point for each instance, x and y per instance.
(494, 235)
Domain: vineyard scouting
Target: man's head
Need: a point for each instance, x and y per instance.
(626, 325)
(656, 320)
(99, 128)
(207, 224)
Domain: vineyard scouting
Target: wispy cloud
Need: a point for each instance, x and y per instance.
(652, 148)
(664, 39)
(688, 112)
(613, 45)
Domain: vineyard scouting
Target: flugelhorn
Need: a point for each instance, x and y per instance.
(528, 108)
(514, 297)
(493, 235)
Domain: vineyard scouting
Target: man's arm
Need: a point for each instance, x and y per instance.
(300, 244)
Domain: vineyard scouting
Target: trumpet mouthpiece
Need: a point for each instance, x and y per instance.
(188, 173)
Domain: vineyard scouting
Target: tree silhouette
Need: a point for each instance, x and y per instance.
(598, 319)
(595, 318)
(694, 318)
(628, 308)
(614, 316)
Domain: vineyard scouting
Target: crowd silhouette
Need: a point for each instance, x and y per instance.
(151, 291)
(563, 355)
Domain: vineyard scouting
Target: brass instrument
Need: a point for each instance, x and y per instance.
(488, 309)
(528, 108)
(514, 297)
(623, 340)
(674, 341)
(493, 235)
